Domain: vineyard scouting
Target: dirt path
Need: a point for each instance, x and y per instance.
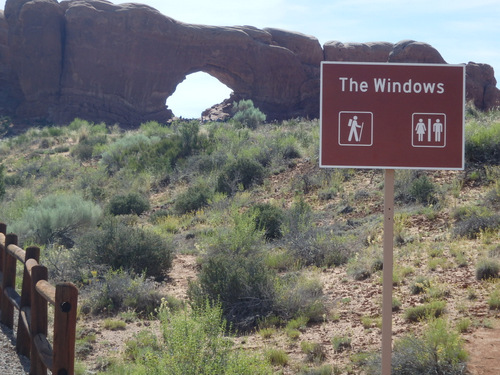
(484, 349)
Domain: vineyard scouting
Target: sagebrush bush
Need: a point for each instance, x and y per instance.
(233, 272)
(118, 245)
(423, 190)
(471, 221)
(413, 186)
(428, 310)
(299, 297)
(439, 351)
(243, 171)
(194, 198)
(482, 142)
(269, 219)
(131, 203)
(247, 115)
(420, 285)
(84, 150)
(487, 269)
(193, 342)
(120, 291)
(311, 245)
(57, 218)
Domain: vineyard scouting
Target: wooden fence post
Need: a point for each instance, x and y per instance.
(9, 281)
(23, 343)
(38, 319)
(3, 230)
(65, 329)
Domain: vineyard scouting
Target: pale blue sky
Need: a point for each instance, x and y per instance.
(461, 30)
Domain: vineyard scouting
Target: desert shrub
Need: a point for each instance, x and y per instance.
(243, 171)
(420, 285)
(315, 352)
(141, 343)
(57, 218)
(120, 291)
(243, 285)
(84, 150)
(413, 186)
(494, 300)
(364, 264)
(118, 245)
(487, 269)
(432, 309)
(234, 273)
(482, 142)
(471, 221)
(423, 190)
(15, 179)
(194, 198)
(321, 370)
(194, 343)
(299, 296)
(247, 115)
(269, 219)
(311, 245)
(439, 351)
(126, 151)
(155, 129)
(191, 139)
(276, 357)
(341, 343)
(131, 203)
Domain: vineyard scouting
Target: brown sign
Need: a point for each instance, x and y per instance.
(383, 115)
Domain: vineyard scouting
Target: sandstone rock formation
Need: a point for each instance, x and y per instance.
(119, 63)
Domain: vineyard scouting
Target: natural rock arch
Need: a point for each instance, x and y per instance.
(119, 63)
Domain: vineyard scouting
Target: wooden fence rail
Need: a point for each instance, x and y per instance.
(32, 305)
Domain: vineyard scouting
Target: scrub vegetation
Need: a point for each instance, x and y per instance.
(286, 258)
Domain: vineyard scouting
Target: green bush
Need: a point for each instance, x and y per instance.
(118, 245)
(299, 297)
(84, 150)
(439, 351)
(247, 115)
(132, 203)
(269, 219)
(482, 142)
(193, 199)
(57, 218)
(428, 310)
(124, 151)
(243, 171)
(423, 190)
(413, 186)
(233, 272)
(420, 285)
(471, 221)
(487, 269)
(311, 245)
(193, 343)
(120, 291)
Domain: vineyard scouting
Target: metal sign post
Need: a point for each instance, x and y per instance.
(387, 271)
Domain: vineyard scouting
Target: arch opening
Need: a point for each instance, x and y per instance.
(196, 93)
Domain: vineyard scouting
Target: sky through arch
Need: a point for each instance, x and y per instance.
(196, 93)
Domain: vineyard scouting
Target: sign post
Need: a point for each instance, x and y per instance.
(391, 116)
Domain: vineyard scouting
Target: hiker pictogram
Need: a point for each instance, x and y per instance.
(355, 128)
(429, 130)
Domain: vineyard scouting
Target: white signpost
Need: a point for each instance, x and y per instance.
(391, 116)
